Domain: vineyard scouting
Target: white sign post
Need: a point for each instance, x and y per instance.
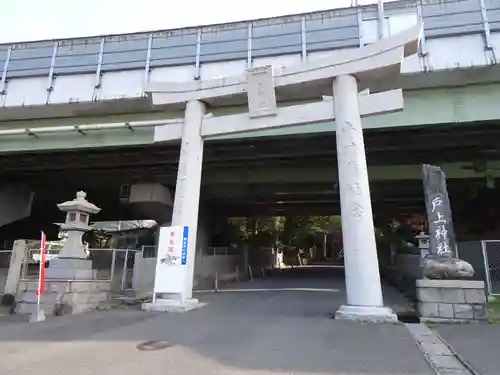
(171, 261)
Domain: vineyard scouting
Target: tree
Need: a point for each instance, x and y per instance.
(290, 233)
(259, 231)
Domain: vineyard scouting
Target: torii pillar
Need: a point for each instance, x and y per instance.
(348, 75)
(364, 289)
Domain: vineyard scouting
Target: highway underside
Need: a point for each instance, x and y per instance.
(274, 176)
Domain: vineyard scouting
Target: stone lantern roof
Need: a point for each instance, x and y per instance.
(79, 204)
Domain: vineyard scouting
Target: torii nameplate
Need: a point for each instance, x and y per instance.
(260, 92)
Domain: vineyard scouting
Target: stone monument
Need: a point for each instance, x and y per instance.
(441, 261)
(72, 262)
(444, 293)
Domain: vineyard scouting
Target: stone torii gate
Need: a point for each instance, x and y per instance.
(345, 77)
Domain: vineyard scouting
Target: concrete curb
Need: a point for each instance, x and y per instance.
(466, 363)
(440, 357)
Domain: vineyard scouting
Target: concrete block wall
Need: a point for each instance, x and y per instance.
(451, 300)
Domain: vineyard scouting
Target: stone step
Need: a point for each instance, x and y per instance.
(73, 286)
(129, 293)
(30, 308)
(31, 297)
(27, 302)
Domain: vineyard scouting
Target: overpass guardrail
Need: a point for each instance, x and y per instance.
(248, 40)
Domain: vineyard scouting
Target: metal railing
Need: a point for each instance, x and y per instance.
(220, 250)
(151, 251)
(491, 254)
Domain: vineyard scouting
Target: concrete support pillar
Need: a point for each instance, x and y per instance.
(15, 203)
(14, 274)
(187, 190)
(203, 234)
(364, 292)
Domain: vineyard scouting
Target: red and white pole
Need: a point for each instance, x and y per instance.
(41, 276)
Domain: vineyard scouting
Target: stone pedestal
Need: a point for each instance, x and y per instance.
(454, 301)
(367, 314)
(172, 305)
(69, 269)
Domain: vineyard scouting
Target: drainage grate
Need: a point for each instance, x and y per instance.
(150, 346)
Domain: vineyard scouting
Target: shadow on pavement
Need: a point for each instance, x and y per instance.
(478, 344)
(267, 332)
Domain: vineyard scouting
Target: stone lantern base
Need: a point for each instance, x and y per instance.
(70, 269)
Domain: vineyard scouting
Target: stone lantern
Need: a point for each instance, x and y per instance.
(72, 262)
(423, 244)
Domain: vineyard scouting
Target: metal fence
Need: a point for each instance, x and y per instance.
(4, 268)
(220, 250)
(150, 251)
(484, 256)
(491, 253)
(472, 253)
(114, 265)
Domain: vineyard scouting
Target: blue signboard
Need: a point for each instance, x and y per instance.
(184, 250)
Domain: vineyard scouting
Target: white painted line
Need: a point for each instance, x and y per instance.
(269, 290)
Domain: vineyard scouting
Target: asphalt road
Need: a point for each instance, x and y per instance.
(248, 332)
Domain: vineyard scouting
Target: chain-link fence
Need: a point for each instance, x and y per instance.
(220, 250)
(491, 253)
(115, 265)
(149, 251)
(4, 268)
(472, 252)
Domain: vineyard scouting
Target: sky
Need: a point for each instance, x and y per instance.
(28, 20)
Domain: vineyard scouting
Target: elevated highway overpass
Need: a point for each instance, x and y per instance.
(271, 175)
(52, 91)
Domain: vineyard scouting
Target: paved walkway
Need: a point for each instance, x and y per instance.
(478, 344)
(266, 332)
